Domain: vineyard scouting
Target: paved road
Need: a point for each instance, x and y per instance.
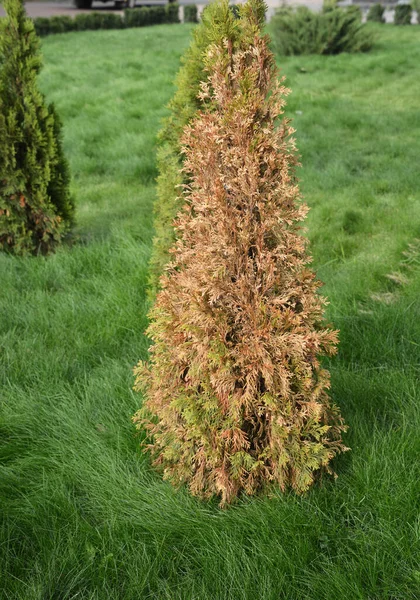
(66, 7)
(48, 9)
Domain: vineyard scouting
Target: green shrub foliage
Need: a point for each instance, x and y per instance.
(158, 14)
(89, 21)
(403, 14)
(110, 21)
(35, 205)
(217, 22)
(59, 185)
(137, 17)
(97, 20)
(172, 12)
(332, 31)
(61, 24)
(133, 17)
(190, 13)
(328, 5)
(355, 10)
(376, 13)
(236, 397)
(42, 26)
(234, 8)
(155, 15)
(85, 22)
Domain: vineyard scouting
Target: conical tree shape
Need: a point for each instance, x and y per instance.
(32, 217)
(218, 22)
(235, 395)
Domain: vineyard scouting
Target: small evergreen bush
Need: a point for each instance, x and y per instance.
(35, 205)
(190, 13)
(98, 20)
(137, 17)
(133, 17)
(155, 15)
(376, 13)
(172, 13)
(42, 26)
(235, 395)
(61, 24)
(403, 14)
(110, 21)
(86, 22)
(158, 15)
(332, 31)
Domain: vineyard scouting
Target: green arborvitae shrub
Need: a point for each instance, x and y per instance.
(236, 398)
(137, 17)
(90, 21)
(42, 26)
(172, 12)
(110, 21)
(190, 13)
(33, 214)
(155, 15)
(85, 22)
(332, 31)
(403, 14)
(158, 15)
(61, 24)
(59, 185)
(376, 13)
(98, 20)
(217, 22)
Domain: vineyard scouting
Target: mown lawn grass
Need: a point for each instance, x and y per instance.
(83, 516)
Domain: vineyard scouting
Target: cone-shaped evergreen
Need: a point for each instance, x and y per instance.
(236, 397)
(35, 206)
(218, 22)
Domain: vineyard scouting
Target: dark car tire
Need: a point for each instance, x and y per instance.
(83, 3)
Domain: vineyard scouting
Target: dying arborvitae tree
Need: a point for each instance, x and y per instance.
(35, 205)
(235, 394)
(217, 22)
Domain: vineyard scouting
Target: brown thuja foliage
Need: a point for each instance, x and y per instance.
(236, 397)
(217, 23)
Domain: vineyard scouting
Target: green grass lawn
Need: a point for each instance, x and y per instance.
(83, 515)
